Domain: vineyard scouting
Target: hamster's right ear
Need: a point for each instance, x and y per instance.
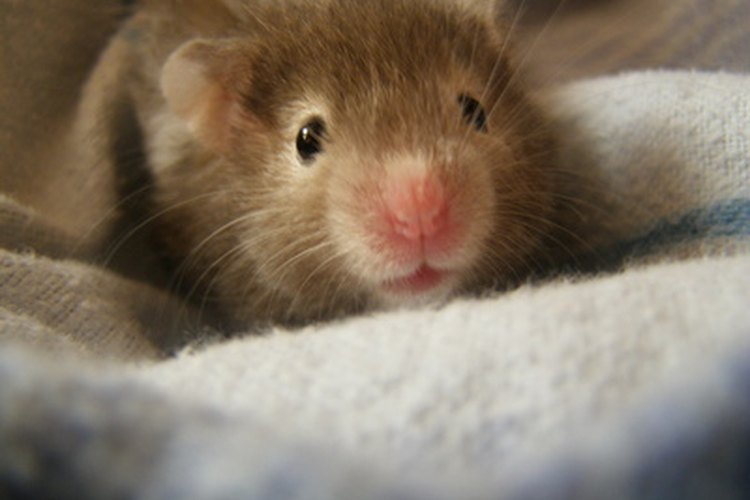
(197, 82)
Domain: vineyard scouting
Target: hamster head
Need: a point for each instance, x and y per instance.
(353, 154)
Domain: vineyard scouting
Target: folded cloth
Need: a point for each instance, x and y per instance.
(660, 160)
(56, 292)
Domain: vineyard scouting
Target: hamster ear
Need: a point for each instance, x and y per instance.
(196, 82)
(498, 17)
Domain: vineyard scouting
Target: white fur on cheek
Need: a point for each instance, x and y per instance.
(169, 138)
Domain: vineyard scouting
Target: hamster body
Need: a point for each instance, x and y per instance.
(315, 158)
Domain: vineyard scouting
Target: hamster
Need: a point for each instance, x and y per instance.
(316, 158)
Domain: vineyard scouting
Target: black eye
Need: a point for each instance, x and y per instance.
(309, 139)
(473, 112)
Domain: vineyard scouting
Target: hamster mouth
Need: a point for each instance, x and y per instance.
(423, 280)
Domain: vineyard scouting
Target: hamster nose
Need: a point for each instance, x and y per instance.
(417, 208)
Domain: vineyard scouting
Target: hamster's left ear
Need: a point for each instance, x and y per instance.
(497, 13)
(199, 83)
(498, 16)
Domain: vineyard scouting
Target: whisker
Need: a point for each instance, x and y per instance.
(525, 57)
(493, 73)
(108, 216)
(123, 239)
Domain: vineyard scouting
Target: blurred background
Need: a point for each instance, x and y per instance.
(570, 39)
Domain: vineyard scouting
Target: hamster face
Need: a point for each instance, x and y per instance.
(361, 155)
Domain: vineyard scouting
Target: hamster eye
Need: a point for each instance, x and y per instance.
(309, 139)
(473, 112)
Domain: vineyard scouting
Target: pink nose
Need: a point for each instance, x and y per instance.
(416, 207)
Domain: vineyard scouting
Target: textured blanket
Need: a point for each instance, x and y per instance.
(629, 378)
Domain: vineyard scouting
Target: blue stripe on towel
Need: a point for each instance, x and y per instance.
(725, 219)
(729, 218)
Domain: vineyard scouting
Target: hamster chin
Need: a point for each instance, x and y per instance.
(422, 287)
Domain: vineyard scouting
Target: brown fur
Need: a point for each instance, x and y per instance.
(273, 241)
